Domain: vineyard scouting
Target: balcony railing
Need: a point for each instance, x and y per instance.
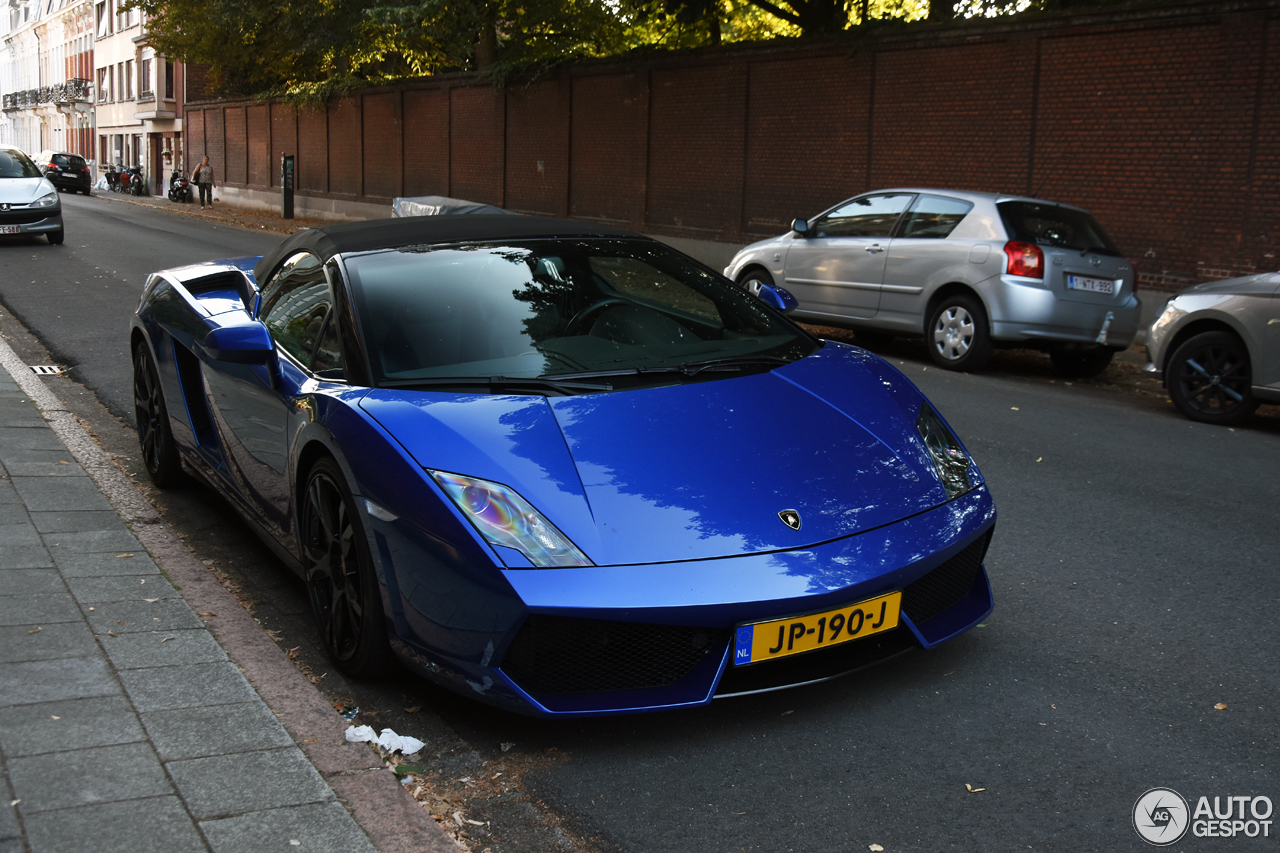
(72, 91)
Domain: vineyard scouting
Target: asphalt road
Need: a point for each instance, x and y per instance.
(1135, 572)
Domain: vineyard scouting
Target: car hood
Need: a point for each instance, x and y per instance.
(691, 471)
(1260, 283)
(23, 190)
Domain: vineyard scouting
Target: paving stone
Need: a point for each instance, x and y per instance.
(16, 439)
(18, 416)
(38, 609)
(55, 640)
(77, 565)
(116, 541)
(129, 617)
(27, 682)
(198, 685)
(24, 557)
(220, 730)
(226, 785)
(58, 494)
(318, 828)
(9, 498)
(59, 522)
(134, 651)
(79, 777)
(75, 724)
(31, 581)
(153, 825)
(120, 588)
(8, 816)
(17, 535)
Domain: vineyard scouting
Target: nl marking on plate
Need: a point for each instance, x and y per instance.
(781, 637)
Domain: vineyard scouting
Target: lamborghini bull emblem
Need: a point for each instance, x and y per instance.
(790, 518)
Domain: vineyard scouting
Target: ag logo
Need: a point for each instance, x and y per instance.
(790, 518)
(1161, 816)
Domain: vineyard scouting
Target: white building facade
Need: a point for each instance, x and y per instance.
(46, 66)
(139, 96)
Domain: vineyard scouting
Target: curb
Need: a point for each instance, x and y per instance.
(393, 821)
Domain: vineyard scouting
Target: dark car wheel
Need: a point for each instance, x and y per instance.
(957, 333)
(340, 577)
(751, 280)
(56, 237)
(1210, 380)
(159, 453)
(1081, 362)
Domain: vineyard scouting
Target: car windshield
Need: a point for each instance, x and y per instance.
(15, 164)
(1053, 225)
(630, 310)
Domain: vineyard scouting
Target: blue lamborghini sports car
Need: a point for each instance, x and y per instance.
(561, 467)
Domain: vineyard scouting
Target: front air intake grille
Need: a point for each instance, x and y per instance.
(556, 654)
(26, 216)
(946, 585)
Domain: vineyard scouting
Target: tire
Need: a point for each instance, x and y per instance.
(1210, 379)
(957, 334)
(345, 596)
(159, 453)
(56, 237)
(751, 279)
(1081, 362)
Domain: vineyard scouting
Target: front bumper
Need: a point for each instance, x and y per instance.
(30, 221)
(630, 639)
(1021, 312)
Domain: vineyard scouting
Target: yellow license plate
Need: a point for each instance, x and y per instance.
(778, 638)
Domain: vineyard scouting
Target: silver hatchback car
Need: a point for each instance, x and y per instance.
(968, 271)
(1217, 347)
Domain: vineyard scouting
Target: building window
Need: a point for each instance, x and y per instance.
(104, 85)
(144, 78)
(168, 79)
(128, 80)
(104, 18)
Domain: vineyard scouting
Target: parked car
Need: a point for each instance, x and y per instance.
(555, 466)
(1216, 346)
(968, 271)
(66, 171)
(29, 204)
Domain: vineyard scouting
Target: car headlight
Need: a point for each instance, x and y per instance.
(949, 458)
(50, 200)
(506, 519)
(1170, 315)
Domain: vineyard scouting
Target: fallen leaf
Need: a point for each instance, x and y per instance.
(35, 630)
(119, 556)
(112, 634)
(415, 709)
(293, 842)
(738, 813)
(973, 790)
(167, 639)
(90, 609)
(15, 802)
(784, 713)
(1015, 408)
(1054, 707)
(207, 613)
(1221, 706)
(60, 462)
(875, 848)
(151, 600)
(142, 580)
(55, 717)
(1041, 459)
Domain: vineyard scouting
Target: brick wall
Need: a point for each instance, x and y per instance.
(1162, 122)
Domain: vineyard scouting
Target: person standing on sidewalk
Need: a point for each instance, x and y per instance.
(204, 180)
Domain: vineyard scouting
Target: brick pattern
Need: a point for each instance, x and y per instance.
(284, 138)
(345, 160)
(383, 159)
(475, 143)
(214, 147)
(193, 138)
(426, 142)
(608, 147)
(236, 132)
(537, 160)
(258, 117)
(1262, 223)
(312, 167)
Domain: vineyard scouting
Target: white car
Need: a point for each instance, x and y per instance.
(28, 202)
(966, 270)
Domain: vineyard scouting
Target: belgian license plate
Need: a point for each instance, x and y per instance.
(778, 638)
(10, 229)
(1091, 285)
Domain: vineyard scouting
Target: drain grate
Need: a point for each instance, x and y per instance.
(46, 369)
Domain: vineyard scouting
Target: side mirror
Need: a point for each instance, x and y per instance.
(249, 343)
(801, 227)
(777, 298)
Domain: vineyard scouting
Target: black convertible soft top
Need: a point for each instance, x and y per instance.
(330, 240)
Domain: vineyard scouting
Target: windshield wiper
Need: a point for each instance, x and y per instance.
(732, 362)
(494, 383)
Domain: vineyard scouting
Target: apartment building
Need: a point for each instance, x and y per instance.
(46, 66)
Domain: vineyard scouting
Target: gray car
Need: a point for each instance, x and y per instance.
(968, 271)
(1217, 348)
(28, 202)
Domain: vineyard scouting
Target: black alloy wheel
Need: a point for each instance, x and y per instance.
(957, 334)
(1210, 380)
(159, 453)
(1081, 361)
(345, 595)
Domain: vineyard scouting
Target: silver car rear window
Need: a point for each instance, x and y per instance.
(1055, 226)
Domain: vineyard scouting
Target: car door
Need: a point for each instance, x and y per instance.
(837, 270)
(254, 407)
(919, 252)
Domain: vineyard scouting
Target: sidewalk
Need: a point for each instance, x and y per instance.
(136, 718)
